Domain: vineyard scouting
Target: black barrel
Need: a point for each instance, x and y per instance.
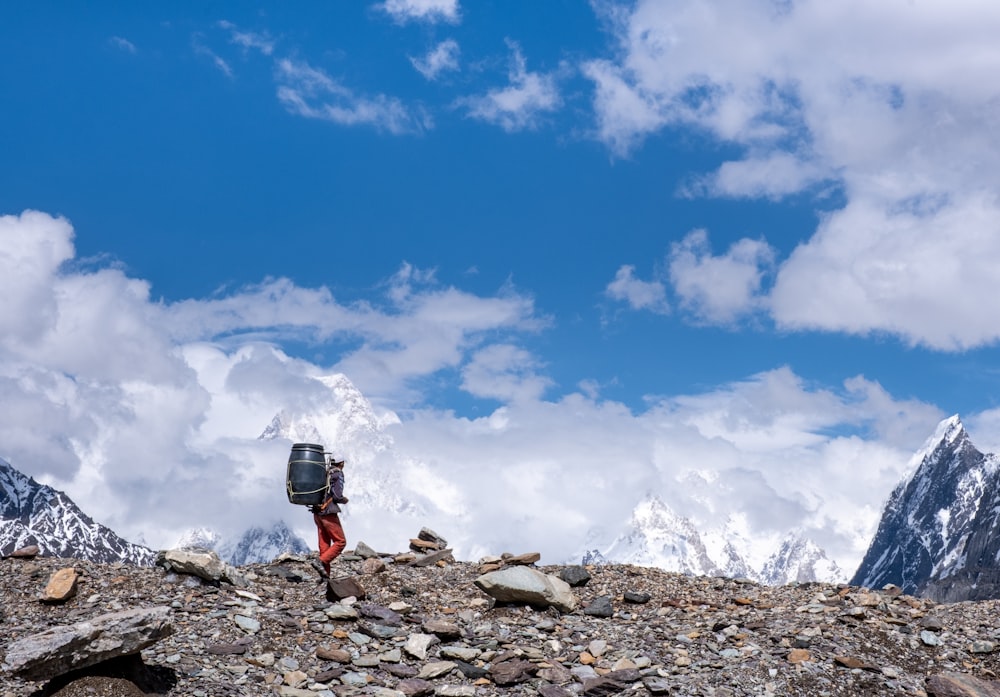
(306, 481)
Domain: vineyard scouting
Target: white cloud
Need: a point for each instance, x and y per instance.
(718, 289)
(218, 61)
(147, 414)
(772, 175)
(431, 11)
(441, 58)
(123, 44)
(890, 102)
(260, 41)
(309, 92)
(506, 373)
(639, 294)
(520, 105)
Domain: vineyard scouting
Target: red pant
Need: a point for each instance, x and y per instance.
(331, 538)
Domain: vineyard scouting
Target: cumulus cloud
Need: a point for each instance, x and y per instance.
(147, 414)
(521, 104)
(889, 103)
(431, 11)
(310, 92)
(638, 294)
(442, 58)
(718, 289)
(506, 373)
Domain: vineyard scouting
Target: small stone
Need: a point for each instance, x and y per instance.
(415, 687)
(295, 678)
(597, 647)
(336, 655)
(636, 598)
(247, 624)
(435, 669)
(370, 567)
(929, 638)
(455, 691)
(798, 656)
(417, 644)
(600, 607)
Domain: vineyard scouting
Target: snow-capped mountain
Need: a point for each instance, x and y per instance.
(34, 514)
(350, 429)
(658, 536)
(257, 545)
(939, 534)
(799, 560)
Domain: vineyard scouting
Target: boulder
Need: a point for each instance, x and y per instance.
(522, 584)
(345, 587)
(203, 563)
(59, 650)
(61, 586)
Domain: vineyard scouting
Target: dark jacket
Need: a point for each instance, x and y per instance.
(330, 507)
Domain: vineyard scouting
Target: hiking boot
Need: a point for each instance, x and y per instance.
(323, 575)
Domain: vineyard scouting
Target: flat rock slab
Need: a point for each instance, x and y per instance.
(959, 685)
(61, 649)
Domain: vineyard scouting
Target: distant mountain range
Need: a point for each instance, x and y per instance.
(938, 535)
(657, 536)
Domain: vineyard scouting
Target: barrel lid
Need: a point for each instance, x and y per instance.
(306, 446)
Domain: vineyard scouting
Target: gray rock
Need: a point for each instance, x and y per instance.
(364, 551)
(415, 687)
(600, 607)
(522, 584)
(575, 575)
(62, 649)
(513, 671)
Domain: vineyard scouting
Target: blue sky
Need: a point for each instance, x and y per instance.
(467, 207)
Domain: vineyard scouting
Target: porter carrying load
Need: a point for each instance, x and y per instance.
(307, 480)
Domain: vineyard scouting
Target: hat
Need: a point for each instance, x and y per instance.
(335, 462)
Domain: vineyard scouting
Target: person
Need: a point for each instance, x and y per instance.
(327, 517)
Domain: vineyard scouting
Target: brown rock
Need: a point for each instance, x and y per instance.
(344, 587)
(61, 586)
(415, 687)
(798, 656)
(372, 566)
(29, 552)
(445, 631)
(513, 671)
(336, 655)
(853, 663)
(523, 559)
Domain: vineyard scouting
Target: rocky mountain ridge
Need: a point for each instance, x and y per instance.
(939, 535)
(35, 514)
(414, 631)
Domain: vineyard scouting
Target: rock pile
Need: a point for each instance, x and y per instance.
(459, 629)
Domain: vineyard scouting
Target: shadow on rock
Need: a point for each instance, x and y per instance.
(126, 676)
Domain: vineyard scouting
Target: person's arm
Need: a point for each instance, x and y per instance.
(337, 486)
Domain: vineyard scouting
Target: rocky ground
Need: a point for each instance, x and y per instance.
(425, 630)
